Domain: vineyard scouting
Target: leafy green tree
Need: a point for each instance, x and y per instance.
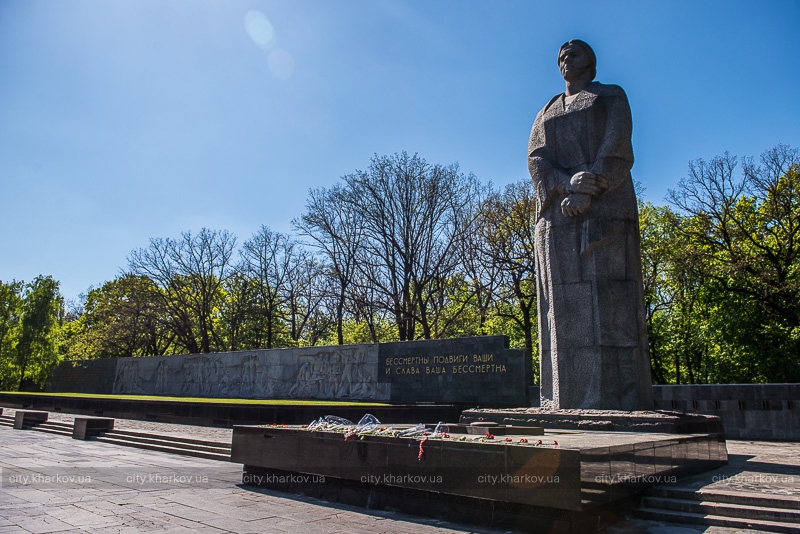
(676, 292)
(657, 226)
(746, 231)
(450, 307)
(122, 318)
(236, 310)
(10, 314)
(36, 351)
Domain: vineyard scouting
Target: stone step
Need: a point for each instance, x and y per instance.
(722, 509)
(594, 497)
(52, 427)
(717, 520)
(160, 439)
(55, 425)
(741, 498)
(133, 435)
(166, 446)
(6, 420)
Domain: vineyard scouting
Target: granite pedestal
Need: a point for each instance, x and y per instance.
(91, 427)
(563, 481)
(28, 418)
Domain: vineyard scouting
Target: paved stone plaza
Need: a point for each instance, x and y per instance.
(76, 486)
(53, 483)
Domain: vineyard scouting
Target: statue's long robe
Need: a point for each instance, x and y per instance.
(592, 332)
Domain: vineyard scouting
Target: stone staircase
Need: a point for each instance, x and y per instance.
(51, 427)
(213, 450)
(767, 512)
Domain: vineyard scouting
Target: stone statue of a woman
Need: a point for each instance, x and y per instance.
(592, 332)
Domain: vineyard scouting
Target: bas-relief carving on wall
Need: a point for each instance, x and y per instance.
(334, 374)
(128, 378)
(323, 373)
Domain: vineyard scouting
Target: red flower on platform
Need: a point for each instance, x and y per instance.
(421, 451)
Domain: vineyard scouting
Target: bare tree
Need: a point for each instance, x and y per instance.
(508, 237)
(305, 293)
(336, 230)
(268, 258)
(412, 214)
(481, 270)
(367, 304)
(320, 321)
(189, 273)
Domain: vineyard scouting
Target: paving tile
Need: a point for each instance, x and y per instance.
(9, 500)
(104, 508)
(79, 517)
(25, 510)
(122, 529)
(233, 525)
(185, 512)
(42, 524)
(277, 524)
(218, 508)
(41, 496)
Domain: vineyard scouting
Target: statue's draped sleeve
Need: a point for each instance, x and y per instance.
(614, 157)
(549, 179)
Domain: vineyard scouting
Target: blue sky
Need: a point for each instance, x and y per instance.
(130, 119)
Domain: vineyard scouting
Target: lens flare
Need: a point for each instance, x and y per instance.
(259, 29)
(281, 63)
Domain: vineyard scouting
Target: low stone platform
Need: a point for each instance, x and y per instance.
(28, 418)
(671, 422)
(563, 481)
(220, 414)
(91, 427)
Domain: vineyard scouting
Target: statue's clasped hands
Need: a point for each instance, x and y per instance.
(582, 187)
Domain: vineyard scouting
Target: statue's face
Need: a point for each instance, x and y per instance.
(573, 61)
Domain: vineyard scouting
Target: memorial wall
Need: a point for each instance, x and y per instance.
(462, 370)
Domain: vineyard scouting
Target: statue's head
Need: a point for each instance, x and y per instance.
(580, 48)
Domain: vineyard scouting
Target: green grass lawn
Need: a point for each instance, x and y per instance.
(268, 402)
